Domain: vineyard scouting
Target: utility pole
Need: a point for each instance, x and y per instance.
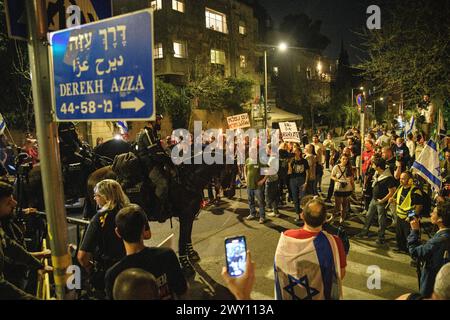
(47, 134)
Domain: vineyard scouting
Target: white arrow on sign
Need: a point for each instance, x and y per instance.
(137, 104)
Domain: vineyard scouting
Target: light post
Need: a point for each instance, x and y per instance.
(281, 47)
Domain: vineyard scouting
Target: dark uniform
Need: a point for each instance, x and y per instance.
(154, 157)
(12, 251)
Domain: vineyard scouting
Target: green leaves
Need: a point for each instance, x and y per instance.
(410, 54)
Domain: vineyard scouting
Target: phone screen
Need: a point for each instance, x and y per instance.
(236, 255)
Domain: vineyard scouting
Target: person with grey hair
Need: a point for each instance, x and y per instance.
(135, 284)
(441, 290)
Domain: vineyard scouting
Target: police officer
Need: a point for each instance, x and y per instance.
(151, 152)
(408, 199)
(11, 251)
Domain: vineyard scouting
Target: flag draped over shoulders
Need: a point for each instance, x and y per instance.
(307, 269)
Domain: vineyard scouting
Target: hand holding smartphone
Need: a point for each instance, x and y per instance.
(236, 255)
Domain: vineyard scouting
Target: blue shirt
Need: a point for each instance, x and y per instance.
(431, 254)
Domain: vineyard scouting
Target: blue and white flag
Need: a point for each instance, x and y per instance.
(427, 165)
(410, 127)
(307, 269)
(2, 124)
(123, 126)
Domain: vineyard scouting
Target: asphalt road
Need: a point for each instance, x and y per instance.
(218, 222)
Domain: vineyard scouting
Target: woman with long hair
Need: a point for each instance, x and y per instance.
(100, 242)
(342, 175)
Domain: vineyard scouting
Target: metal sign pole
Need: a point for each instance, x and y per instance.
(47, 134)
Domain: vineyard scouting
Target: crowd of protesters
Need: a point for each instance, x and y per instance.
(378, 160)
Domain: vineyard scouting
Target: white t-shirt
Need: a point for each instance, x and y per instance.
(341, 173)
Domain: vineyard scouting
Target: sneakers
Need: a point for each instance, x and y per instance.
(262, 220)
(269, 210)
(250, 217)
(273, 214)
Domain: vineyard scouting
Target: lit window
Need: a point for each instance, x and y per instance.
(275, 71)
(242, 28)
(243, 61)
(217, 56)
(156, 4)
(158, 51)
(216, 21)
(179, 49)
(308, 73)
(178, 5)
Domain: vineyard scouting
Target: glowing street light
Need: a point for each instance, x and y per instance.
(282, 46)
(319, 67)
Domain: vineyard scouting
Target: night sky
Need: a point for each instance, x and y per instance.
(339, 19)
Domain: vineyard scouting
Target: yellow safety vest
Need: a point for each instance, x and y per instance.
(405, 206)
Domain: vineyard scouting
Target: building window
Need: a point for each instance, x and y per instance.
(308, 73)
(178, 5)
(158, 51)
(242, 28)
(217, 57)
(299, 69)
(156, 4)
(243, 61)
(216, 21)
(275, 71)
(179, 49)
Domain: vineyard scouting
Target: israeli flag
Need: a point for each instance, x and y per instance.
(307, 269)
(2, 124)
(123, 126)
(410, 127)
(427, 165)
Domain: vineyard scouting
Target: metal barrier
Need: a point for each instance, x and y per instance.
(79, 223)
(43, 284)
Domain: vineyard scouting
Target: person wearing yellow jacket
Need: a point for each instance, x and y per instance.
(408, 199)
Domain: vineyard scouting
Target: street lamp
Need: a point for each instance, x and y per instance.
(283, 46)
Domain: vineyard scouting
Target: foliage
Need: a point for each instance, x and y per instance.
(172, 100)
(215, 92)
(410, 53)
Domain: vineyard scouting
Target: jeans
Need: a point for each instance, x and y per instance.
(259, 194)
(296, 186)
(272, 195)
(379, 209)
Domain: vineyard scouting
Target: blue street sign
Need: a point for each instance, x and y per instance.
(104, 70)
(359, 98)
(57, 13)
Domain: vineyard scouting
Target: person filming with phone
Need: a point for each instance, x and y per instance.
(409, 205)
(433, 254)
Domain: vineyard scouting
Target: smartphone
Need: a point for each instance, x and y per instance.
(411, 214)
(236, 255)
